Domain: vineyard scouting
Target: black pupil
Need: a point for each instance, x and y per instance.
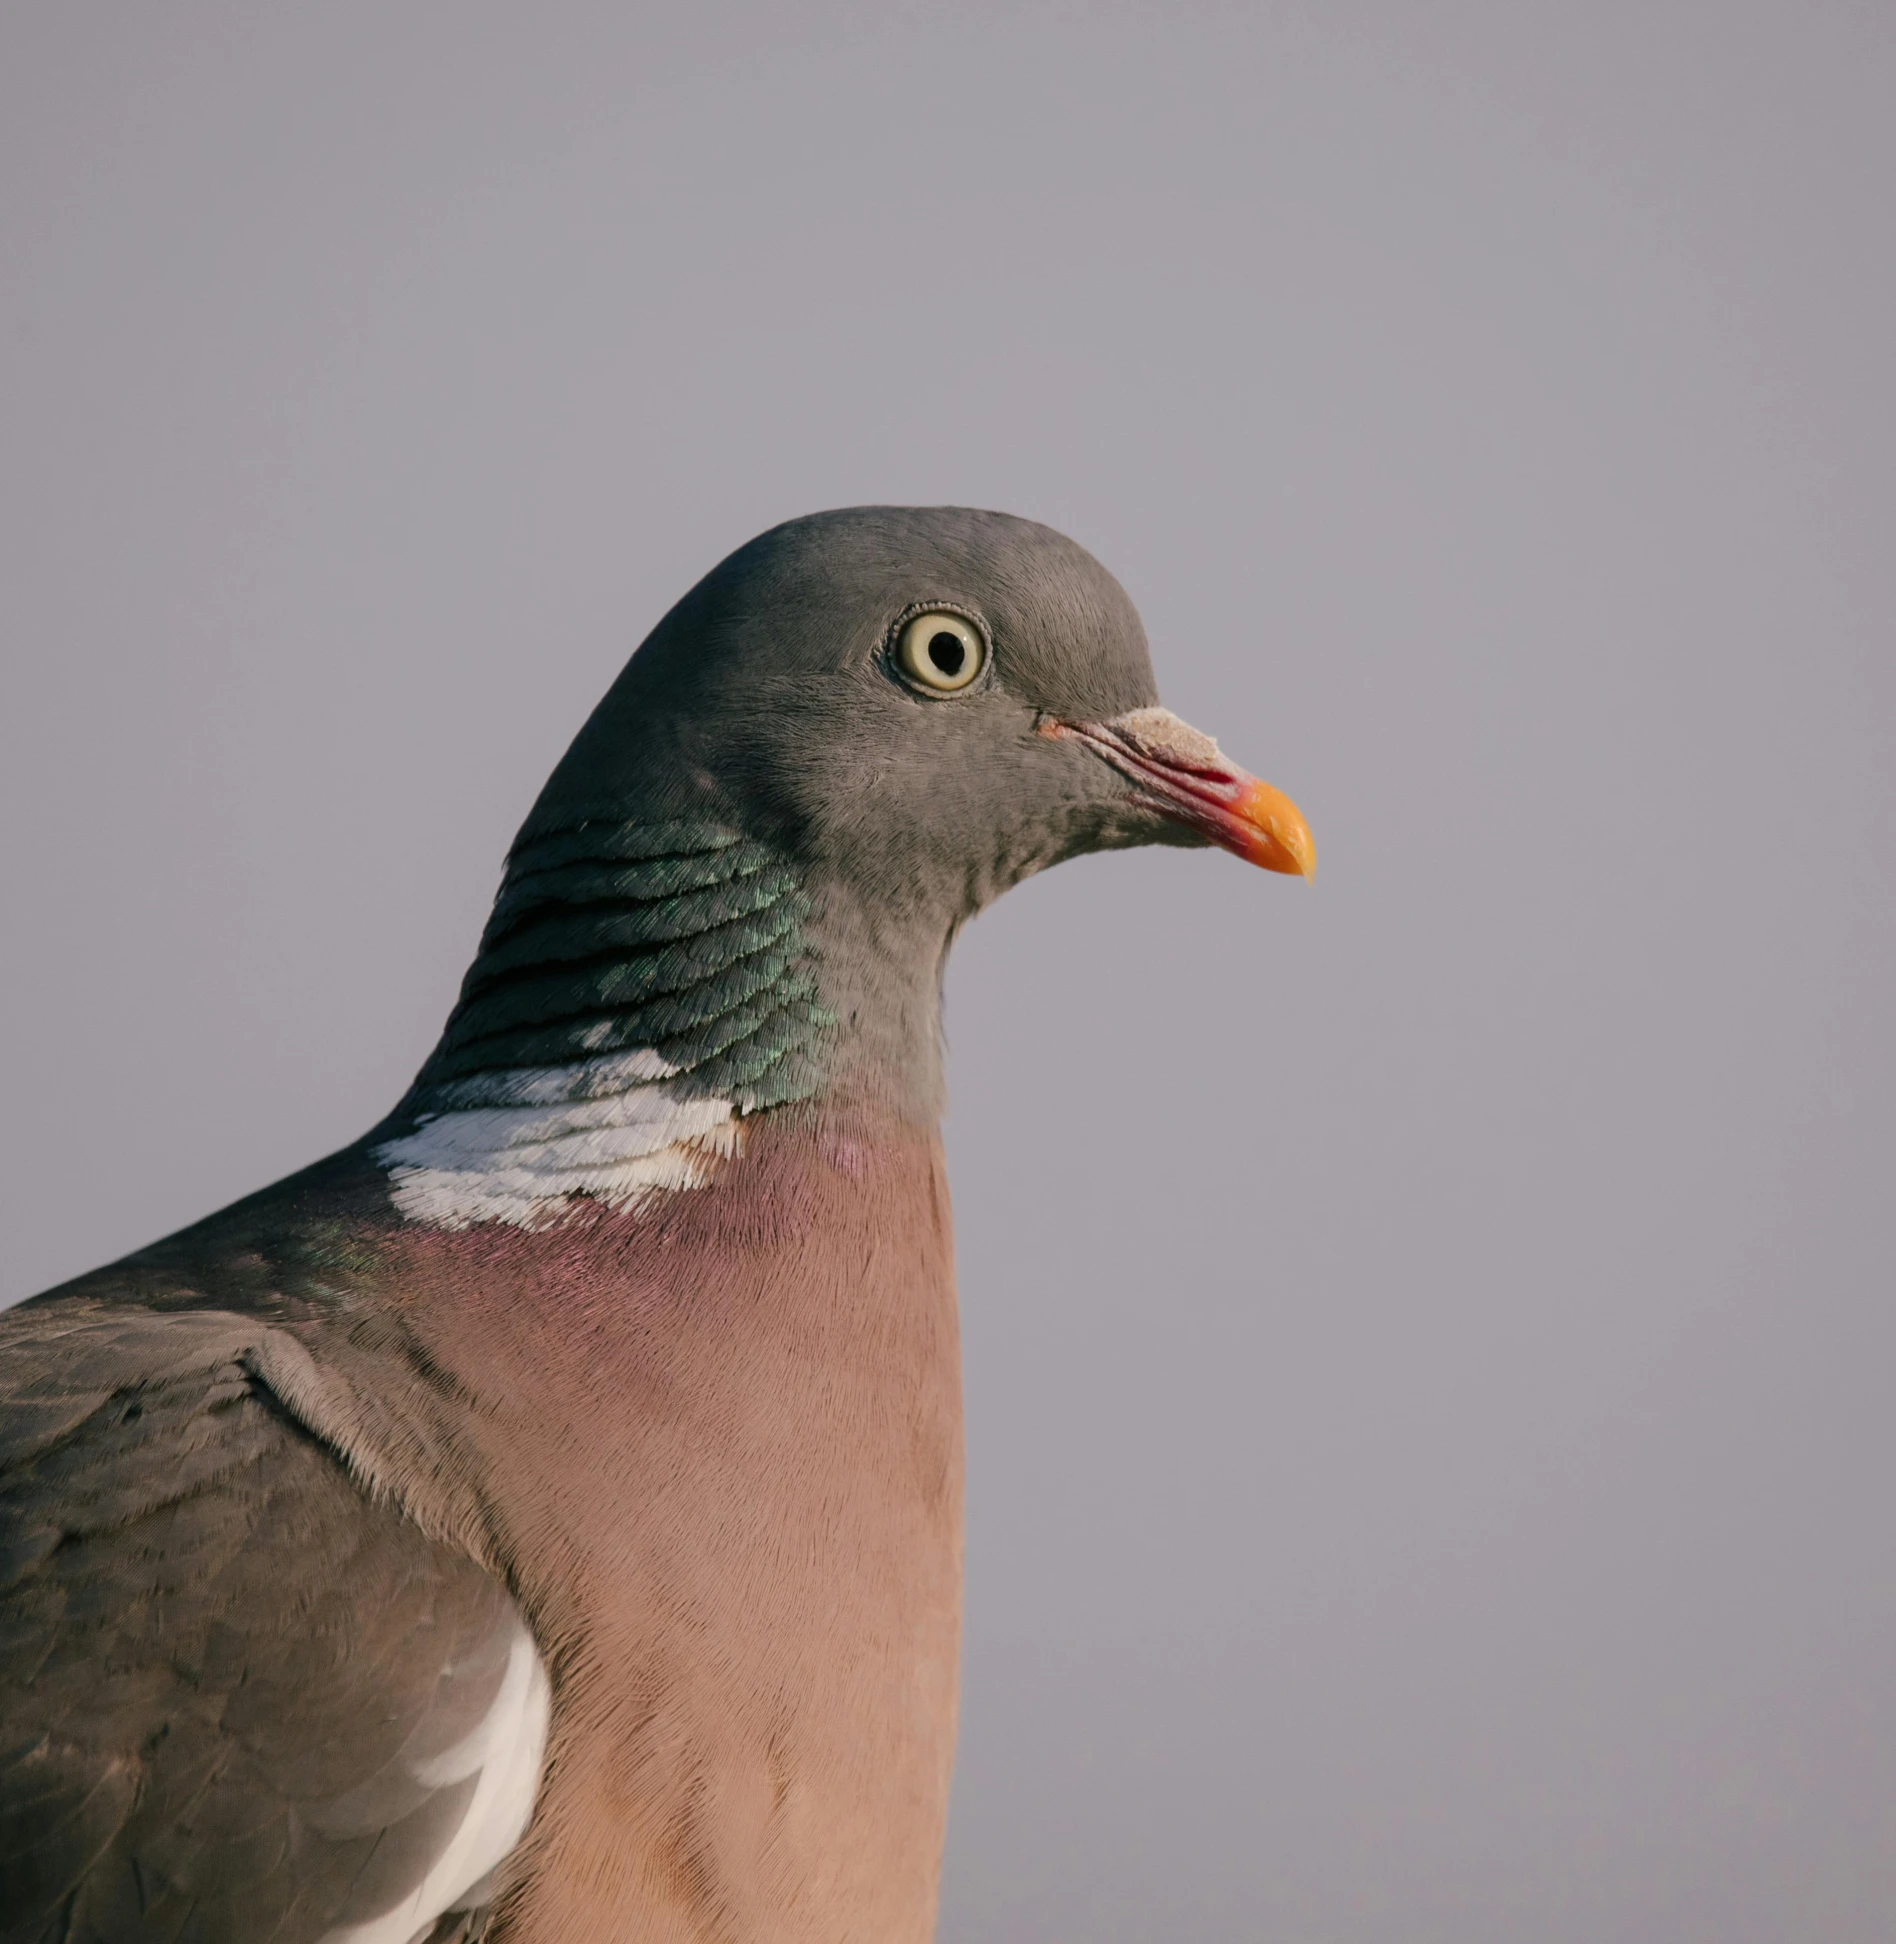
(947, 651)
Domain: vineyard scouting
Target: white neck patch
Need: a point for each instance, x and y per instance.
(532, 1145)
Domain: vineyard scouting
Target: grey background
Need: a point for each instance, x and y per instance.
(1429, 1334)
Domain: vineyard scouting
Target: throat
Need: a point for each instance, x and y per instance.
(641, 988)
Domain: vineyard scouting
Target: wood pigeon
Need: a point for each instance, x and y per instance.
(541, 1520)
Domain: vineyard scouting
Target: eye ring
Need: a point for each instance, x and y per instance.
(939, 651)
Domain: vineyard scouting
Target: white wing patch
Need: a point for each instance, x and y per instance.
(506, 1748)
(520, 1145)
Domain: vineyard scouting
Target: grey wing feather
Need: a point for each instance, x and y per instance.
(239, 1700)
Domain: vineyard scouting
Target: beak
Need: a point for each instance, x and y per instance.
(1184, 773)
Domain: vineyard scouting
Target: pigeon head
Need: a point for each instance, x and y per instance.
(848, 738)
(921, 704)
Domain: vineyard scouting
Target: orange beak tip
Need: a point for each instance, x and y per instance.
(1283, 841)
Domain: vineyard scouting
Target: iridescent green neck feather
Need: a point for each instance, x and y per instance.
(611, 934)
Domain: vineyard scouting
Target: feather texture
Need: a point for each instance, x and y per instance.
(672, 961)
(242, 1700)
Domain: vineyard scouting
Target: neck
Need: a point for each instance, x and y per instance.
(880, 973)
(643, 989)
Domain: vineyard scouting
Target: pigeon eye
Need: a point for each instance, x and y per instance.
(940, 651)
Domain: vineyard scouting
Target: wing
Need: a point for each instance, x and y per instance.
(239, 1700)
